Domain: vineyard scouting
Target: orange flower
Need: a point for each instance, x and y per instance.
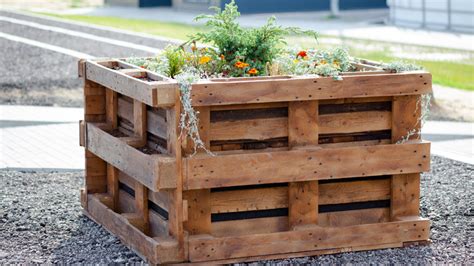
(142, 66)
(241, 65)
(302, 54)
(222, 57)
(253, 71)
(194, 48)
(203, 60)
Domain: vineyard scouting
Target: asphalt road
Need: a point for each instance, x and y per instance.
(34, 75)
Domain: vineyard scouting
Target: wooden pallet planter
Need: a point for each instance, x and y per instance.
(302, 166)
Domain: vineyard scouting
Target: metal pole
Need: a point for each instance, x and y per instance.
(449, 14)
(423, 6)
(335, 8)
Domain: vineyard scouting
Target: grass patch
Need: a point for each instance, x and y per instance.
(446, 73)
(165, 29)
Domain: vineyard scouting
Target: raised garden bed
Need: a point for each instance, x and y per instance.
(301, 165)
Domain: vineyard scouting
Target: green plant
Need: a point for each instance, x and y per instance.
(255, 47)
(401, 66)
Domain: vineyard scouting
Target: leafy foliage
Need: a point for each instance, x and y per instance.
(401, 66)
(256, 47)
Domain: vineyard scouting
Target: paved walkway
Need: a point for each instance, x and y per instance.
(48, 138)
(359, 24)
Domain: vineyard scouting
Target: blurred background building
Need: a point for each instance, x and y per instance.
(454, 15)
(257, 6)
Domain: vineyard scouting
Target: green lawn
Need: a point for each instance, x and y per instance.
(447, 73)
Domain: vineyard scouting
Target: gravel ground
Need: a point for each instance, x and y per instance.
(41, 222)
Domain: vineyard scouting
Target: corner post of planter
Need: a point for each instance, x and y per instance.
(175, 210)
(303, 131)
(199, 200)
(94, 112)
(405, 188)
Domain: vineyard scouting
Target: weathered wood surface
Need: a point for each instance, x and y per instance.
(157, 250)
(154, 171)
(204, 171)
(205, 248)
(207, 93)
(157, 93)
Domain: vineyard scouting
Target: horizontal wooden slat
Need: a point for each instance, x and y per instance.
(154, 171)
(158, 250)
(277, 197)
(250, 226)
(354, 122)
(354, 217)
(280, 223)
(354, 191)
(204, 248)
(254, 129)
(311, 163)
(249, 199)
(309, 88)
(157, 93)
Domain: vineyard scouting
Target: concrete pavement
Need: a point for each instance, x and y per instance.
(33, 137)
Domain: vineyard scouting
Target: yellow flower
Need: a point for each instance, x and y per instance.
(323, 62)
(204, 60)
(336, 63)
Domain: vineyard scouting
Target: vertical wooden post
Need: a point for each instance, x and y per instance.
(139, 121)
(303, 130)
(111, 105)
(175, 210)
(199, 201)
(113, 185)
(94, 111)
(405, 188)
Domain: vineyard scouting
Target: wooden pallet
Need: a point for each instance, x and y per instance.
(302, 166)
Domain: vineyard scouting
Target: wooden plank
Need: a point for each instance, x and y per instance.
(303, 203)
(405, 197)
(406, 111)
(111, 107)
(175, 213)
(207, 93)
(354, 191)
(94, 104)
(268, 128)
(154, 93)
(141, 203)
(204, 248)
(311, 163)
(302, 131)
(95, 177)
(155, 124)
(248, 106)
(126, 203)
(199, 211)
(250, 226)
(163, 251)
(405, 200)
(154, 171)
(253, 129)
(303, 123)
(82, 133)
(355, 122)
(354, 217)
(113, 185)
(277, 197)
(139, 121)
(249, 199)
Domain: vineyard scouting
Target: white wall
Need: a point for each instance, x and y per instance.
(455, 15)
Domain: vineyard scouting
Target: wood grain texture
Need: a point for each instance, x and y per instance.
(303, 203)
(207, 93)
(249, 199)
(355, 122)
(199, 211)
(405, 200)
(113, 185)
(205, 171)
(154, 171)
(111, 103)
(139, 121)
(141, 203)
(204, 248)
